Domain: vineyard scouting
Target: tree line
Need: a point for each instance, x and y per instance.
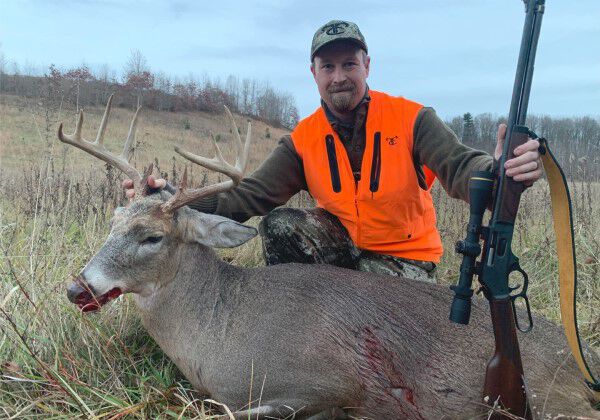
(138, 85)
(575, 141)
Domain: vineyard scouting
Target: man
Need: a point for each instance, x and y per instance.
(369, 160)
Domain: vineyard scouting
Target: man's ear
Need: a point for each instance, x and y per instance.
(367, 63)
(216, 231)
(312, 69)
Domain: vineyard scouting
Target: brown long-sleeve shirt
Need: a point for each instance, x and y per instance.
(281, 175)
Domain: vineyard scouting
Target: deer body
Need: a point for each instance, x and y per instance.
(317, 337)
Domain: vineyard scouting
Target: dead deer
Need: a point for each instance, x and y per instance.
(320, 340)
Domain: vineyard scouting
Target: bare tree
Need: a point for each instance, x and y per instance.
(487, 127)
(245, 101)
(233, 91)
(106, 77)
(165, 87)
(136, 64)
(3, 65)
(18, 82)
(79, 76)
(137, 75)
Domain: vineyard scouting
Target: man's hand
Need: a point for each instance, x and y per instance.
(154, 183)
(527, 165)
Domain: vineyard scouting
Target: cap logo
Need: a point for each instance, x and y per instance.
(336, 28)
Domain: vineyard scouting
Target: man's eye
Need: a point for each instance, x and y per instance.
(152, 239)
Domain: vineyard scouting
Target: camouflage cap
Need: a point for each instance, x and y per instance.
(337, 30)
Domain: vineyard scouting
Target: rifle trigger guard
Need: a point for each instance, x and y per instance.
(522, 295)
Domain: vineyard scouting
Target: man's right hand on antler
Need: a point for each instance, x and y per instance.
(154, 183)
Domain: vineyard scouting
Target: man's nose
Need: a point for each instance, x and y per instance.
(339, 75)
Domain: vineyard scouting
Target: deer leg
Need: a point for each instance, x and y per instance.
(329, 414)
(258, 412)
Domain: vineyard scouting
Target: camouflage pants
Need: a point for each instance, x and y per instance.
(315, 236)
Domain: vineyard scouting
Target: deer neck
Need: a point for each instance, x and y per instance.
(198, 287)
(180, 314)
(196, 268)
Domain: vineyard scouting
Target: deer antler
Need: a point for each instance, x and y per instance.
(98, 150)
(218, 163)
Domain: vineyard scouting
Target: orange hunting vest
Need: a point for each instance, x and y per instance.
(386, 211)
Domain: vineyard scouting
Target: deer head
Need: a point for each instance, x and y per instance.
(141, 251)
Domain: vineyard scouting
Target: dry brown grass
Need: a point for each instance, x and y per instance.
(54, 209)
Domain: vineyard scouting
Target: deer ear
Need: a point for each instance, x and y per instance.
(217, 231)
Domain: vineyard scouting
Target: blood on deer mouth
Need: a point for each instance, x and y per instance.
(88, 302)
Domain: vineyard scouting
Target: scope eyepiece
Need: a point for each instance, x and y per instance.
(460, 311)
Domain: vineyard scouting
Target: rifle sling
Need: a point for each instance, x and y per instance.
(565, 246)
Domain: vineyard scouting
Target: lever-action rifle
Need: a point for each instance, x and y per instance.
(504, 380)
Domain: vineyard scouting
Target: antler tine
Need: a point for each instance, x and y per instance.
(213, 164)
(244, 148)
(184, 180)
(238, 140)
(218, 163)
(218, 155)
(184, 196)
(144, 188)
(127, 149)
(76, 136)
(97, 148)
(102, 128)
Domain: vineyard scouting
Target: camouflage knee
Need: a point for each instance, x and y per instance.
(312, 236)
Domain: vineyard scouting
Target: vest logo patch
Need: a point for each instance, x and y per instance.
(392, 140)
(336, 28)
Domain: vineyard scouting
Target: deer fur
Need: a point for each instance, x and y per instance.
(317, 340)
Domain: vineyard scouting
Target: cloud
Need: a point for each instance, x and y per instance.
(240, 53)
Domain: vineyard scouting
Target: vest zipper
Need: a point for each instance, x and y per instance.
(376, 164)
(358, 241)
(333, 163)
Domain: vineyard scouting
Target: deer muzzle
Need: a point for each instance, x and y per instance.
(86, 298)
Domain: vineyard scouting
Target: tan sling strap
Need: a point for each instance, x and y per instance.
(565, 246)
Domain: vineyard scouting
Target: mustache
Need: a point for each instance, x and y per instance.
(341, 88)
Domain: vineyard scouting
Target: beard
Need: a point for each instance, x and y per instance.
(342, 96)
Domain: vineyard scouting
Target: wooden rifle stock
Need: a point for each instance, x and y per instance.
(504, 381)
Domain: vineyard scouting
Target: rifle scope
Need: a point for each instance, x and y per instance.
(481, 185)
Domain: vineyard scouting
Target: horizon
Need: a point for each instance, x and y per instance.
(451, 60)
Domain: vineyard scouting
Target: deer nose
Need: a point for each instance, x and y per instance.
(78, 289)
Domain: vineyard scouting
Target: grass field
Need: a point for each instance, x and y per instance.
(54, 211)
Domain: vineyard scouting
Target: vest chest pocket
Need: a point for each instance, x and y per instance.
(334, 169)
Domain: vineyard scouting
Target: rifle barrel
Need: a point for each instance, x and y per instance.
(521, 89)
(526, 90)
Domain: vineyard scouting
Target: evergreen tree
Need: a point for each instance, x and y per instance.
(468, 132)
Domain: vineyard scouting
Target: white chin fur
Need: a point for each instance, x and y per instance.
(98, 281)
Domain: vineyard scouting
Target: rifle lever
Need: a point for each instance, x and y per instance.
(521, 295)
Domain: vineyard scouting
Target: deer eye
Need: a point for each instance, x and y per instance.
(154, 239)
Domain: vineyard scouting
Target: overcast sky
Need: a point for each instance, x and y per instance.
(456, 56)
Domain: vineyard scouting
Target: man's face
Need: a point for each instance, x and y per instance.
(341, 70)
